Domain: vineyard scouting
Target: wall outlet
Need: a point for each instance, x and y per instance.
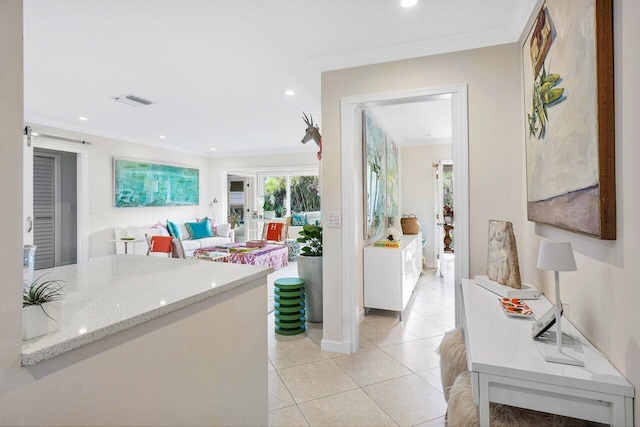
(335, 220)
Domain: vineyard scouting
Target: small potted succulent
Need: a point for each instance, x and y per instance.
(310, 269)
(41, 307)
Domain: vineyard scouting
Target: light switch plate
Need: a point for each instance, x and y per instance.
(334, 220)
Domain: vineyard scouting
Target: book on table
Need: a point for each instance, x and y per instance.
(394, 244)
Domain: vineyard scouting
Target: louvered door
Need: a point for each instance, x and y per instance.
(44, 211)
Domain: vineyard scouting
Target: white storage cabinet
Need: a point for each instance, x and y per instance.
(390, 274)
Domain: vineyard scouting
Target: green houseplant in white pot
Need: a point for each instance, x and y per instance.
(41, 308)
(310, 270)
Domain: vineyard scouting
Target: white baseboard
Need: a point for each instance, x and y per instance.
(336, 346)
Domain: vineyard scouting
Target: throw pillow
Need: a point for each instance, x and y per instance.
(213, 221)
(274, 231)
(199, 230)
(174, 230)
(161, 228)
(298, 219)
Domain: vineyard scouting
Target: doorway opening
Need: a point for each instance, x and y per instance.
(55, 208)
(64, 212)
(351, 188)
(444, 224)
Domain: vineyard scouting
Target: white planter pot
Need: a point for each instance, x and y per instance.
(36, 323)
(310, 269)
(269, 214)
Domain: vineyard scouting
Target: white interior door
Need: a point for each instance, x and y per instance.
(27, 190)
(44, 210)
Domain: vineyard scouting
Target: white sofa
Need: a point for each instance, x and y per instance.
(224, 234)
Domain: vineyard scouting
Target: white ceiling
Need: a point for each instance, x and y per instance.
(218, 69)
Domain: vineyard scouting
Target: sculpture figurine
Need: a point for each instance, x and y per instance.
(313, 132)
(502, 254)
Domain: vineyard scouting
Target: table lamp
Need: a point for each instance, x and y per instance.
(557, 257)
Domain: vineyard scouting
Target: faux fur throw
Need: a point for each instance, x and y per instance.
(462, 412)
(453, 358)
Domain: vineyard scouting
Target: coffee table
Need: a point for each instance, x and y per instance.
(210, 255)
(276, 256)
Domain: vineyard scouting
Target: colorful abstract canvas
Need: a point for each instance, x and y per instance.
(568, 94)
(142, 184)
(393, 189)
(374, 167)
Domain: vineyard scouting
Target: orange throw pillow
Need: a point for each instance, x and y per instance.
(161, 244)
(274, 231)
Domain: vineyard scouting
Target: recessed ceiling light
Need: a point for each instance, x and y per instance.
(84, 119)
(212, 149)
(408, 3)
(162, 137)
(290, 92)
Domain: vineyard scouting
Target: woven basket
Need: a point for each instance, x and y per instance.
(410, 224)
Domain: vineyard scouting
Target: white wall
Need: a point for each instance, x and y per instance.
(103, 215)
(493, 76)
(603, 296)
(11, 107)
(418, 189)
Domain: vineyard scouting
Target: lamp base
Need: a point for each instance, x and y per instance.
(571, 349)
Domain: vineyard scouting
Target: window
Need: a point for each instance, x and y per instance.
(284, 193)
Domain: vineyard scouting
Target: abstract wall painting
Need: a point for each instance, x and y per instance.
(142, 184)
(393, 188)
(374, 168)
(569, 117)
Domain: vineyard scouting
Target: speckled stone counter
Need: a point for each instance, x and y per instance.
(114, 293)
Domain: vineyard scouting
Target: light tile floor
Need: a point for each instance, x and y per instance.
(394, 379)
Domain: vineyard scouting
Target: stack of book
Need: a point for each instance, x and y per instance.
(386, 244)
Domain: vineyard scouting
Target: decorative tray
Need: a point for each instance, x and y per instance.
(515, 307)
(127, 238)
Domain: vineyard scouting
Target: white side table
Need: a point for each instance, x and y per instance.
(126, 243)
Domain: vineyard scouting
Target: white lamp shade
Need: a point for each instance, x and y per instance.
(556, 256)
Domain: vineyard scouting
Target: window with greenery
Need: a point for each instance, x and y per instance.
(289, 193)
(305, 195)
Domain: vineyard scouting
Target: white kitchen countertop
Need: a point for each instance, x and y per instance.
(116, 292)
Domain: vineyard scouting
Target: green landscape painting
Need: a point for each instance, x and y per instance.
(143, 184)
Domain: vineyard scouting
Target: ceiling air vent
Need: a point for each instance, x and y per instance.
(134, 101)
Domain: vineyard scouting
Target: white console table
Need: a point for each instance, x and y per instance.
(391, 274)
(507, 368)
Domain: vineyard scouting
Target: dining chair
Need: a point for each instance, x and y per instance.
(159, 244)
(275, 231)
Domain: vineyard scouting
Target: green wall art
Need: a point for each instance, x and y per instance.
(375, 170)
(142, 184)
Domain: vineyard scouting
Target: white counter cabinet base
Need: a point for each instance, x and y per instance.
(390, 274)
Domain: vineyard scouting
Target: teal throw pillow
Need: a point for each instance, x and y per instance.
(298, 219)
(174, 230)
(199, 230)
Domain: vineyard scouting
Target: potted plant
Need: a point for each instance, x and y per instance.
(41, 308)
(269, 207)
(310, 269)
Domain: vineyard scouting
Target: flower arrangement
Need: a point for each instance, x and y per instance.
(311, 236)
(447, 210)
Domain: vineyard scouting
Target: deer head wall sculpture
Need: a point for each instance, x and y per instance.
(313, 132)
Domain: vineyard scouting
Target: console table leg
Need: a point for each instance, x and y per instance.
(483, 402)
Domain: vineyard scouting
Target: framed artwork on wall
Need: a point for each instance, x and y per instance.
(393, 189)
(138, 183)
(374, 168)
(569, 117)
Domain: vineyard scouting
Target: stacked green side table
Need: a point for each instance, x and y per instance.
(289, 306)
